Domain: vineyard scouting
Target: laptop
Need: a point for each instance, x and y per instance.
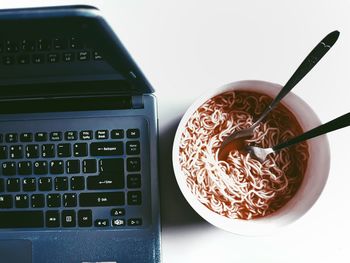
(78, 142)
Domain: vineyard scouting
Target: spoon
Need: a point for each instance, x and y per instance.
(309, 62)
(338, 123)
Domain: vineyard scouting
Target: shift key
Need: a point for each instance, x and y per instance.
(106, 148)
(102, 199)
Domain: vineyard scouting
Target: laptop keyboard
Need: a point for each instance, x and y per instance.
(71, 178)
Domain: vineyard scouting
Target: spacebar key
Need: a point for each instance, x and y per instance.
(20, 219)
(102, 199)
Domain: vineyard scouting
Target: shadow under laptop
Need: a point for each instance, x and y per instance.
(175, 211)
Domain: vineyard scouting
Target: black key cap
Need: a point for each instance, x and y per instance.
(8, 60)
(52, 218)
(70, 135)
(53, 200)
(102, 199)
(9, 168)
(27, 45)
(96, 55)
(80, 149)
(133, 164)
(133, 133)
(16, 152)
(118, 222)
(38, 58)
(133, 147)
(118, 212)
(40, 167)
(44, 44)
(59, 43)
(111, 165)
(64, 150)
(89, 166)
(86, 135)
(68, 56)
(22, 201)
(26, 137)
(101, 222)
(6, 201)
(13, 185)
(77, 183)
(70, 200)
(134, 198)
(104, 182)
(85, 218)
(32, 151)
(23, 59)
(83, 55)
(106, 148)
(101, 134)
(25, 168)
(117, 134)
(56, 136)
(11, 46)
(11, 137)
(38, 200)
(41, 136)
(48, 150)
(134, 180)
(68, 218)
(61, 183)
(135, 222)
(21, 219)
(45, 184)
(2, 185)
(29, 184)
(73, 166)
(3, 152)
(53, 57)
(75, 43)
(56, 167)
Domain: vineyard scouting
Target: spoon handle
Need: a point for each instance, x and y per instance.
(309, 62)
(338, 123)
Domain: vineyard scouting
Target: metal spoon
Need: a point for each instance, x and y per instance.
(309, 62)
(338, 123)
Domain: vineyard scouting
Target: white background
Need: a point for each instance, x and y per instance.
(188, 47)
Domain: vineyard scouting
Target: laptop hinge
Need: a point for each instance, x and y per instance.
(137, 102)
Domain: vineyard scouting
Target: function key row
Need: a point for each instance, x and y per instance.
(70, 135)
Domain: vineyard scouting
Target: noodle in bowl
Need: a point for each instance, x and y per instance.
(241, 194)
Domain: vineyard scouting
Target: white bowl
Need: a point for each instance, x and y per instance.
(312, 185)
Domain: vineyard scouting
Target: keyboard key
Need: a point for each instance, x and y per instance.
(102, 199)
(2, 185)
(96, 55)
(48, 150)
(83, 55)
(26, 137)
(3, 152)
(23, 59)
(41, 136)
(32, 151)
(52, 218)
(101, 222)
(111, 165)
(135, 222)
(133, 147)
(6, 201)
(59, 43)
(133, 164)
(70, 135)
(53, 57)
(118, 222)
(40, 167)
(85, 218)
(27, 45)
(56, 167)
(29, 184)
(38, 58)
(56, 136)
(22, 201)
(77, 183)
(70, 200)
(89, 166)
(73, 166)
(101, 134)
(134, 198)
(68, 57)
(8, 60)
(9, 168)
(38, 200)
(64, 150)
(11, 137)
(86, 135)
(133, 133)
(13, 185)
(21, 219)
(118, 212)
(80, 149)
(134, 180)
(68, 218)
(45, 184)
(16, 152)
(11, 46)
(44, 44)
(53, 200)
(25, 168)
(61, 183)
(106, 148)
(117, 134)
(75, 43)
(114, 181)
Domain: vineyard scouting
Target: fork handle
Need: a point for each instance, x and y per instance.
(337, 123)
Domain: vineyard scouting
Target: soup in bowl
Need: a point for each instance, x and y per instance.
(239, 193)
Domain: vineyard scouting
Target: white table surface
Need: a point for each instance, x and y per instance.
(187, 47)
